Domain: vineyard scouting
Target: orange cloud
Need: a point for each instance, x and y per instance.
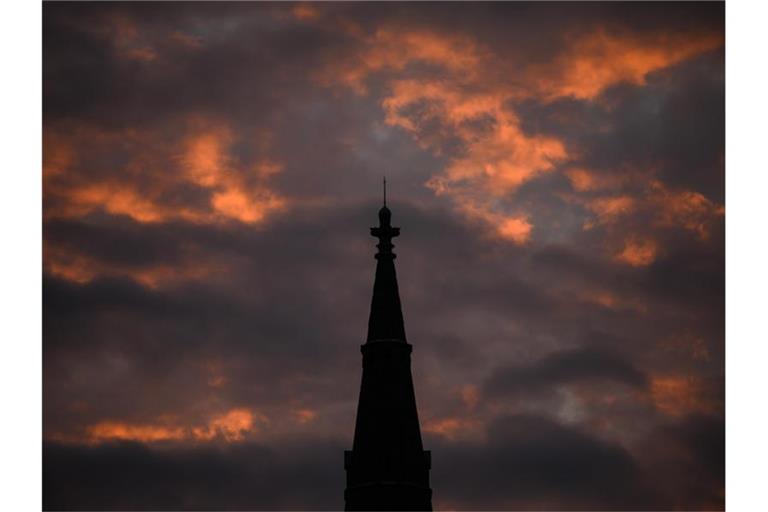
(585, 180)
(205, 158)
(595, 61)
(638, 252)
(117, 199)
(237, 204)
(516, 229)
(111, 431)
(304, 416)
(231, 426)
(497, 158)
(497, 155)
(453, 427)
(608, 209)
(202, 158)
(304, 11)
(688, 209)
(462, 101)
(207, 164)
(391, 49)
(680, 395)
(82, 268)
(610, 300)
(136, 189)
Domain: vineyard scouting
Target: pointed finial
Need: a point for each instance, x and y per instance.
(385, 191)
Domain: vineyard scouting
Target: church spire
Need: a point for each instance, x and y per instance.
(386, 319)
(387, 468)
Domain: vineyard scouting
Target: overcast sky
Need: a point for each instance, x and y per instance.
(210, 174)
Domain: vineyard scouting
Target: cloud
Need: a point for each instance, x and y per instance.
(638, 252)
(390, 49)
(561, 368)
(530, 459)
(233, 425)
(131, 187)
(249, 477)
(597, 60)
(681, 395)
(460, 111)
(108, 430)
(686, 461)
(687, 209)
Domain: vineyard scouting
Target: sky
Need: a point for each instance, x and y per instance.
(210, 172)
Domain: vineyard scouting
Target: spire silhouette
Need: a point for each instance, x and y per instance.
(387, 468)
(386, 318)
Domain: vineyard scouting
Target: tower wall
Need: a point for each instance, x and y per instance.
(387, 469)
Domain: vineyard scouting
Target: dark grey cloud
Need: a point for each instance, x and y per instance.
(248, 62)
(532, 461)
(131, 476)
(583, 364)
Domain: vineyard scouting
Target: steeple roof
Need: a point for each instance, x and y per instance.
(386, 319)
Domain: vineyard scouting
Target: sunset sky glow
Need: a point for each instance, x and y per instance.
(210, 172)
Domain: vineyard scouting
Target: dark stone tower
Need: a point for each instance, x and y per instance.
(388, 468)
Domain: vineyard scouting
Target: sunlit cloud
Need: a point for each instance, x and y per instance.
(116, 431)
(586, 180)
(115, 198)
(231, 426)
(497, 157)
(638, 252)
(612, 301)
(680, 395)
(392, 49)
(608, 209)
(463, 104)
(237, 192)
(80, 267)
(305, 11)
(686, 208)
(304, 416)
(208, 164)
(454, 428)
(599, 59)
